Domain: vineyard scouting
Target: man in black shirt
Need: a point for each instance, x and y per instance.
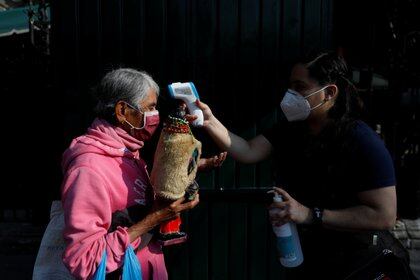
(334, 173)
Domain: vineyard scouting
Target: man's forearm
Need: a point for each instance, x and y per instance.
(237, 147)
(358, 218)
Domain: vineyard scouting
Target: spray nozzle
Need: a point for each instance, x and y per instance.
(276, 197)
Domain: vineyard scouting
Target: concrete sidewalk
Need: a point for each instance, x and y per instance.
(408, 232)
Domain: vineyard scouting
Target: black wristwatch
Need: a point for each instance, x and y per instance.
(317, 214)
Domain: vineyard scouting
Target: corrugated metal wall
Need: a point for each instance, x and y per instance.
(237, 53)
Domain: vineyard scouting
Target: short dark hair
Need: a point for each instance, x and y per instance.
(331, 68)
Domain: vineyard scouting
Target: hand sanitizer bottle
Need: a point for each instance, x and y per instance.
(288, 244)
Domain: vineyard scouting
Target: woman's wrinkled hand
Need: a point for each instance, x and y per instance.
(174, 209)
(216, 161)
(289, 210)
(161, 211)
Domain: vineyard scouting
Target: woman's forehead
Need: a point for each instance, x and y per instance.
(151, 98)
(151, 95)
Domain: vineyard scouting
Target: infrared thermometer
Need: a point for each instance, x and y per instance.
(188, 93)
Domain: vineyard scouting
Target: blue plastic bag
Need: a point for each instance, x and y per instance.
(101, 270)
(131, 268)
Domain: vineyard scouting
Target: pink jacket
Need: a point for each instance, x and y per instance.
(102, 174)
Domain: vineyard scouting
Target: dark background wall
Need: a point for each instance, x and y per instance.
(238, 53)
(235, 51)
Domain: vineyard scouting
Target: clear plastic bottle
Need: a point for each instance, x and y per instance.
(288, 243)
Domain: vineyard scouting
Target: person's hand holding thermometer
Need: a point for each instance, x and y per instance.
(188, 94)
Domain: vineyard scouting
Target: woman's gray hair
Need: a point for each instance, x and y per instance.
(124, 84)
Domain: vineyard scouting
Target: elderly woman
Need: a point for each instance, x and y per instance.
(106, 192)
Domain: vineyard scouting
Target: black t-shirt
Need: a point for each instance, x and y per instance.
(327, 171)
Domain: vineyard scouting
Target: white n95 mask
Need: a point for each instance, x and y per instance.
(295, 107)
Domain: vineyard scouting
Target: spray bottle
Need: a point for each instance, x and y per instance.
(288, 243)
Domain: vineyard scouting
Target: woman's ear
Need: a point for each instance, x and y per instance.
(331, 92)
(120, 111)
